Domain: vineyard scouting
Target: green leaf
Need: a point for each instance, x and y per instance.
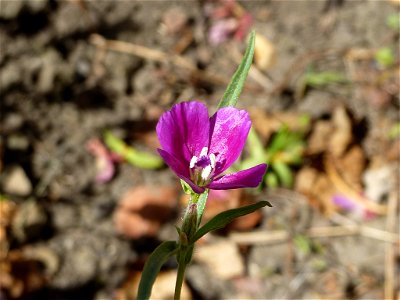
(153, 266)
(224, 218)
(137, 158)
(256, 151)
(319, 79)
(284, 173)
(394, 131)
(235, 87)
(393, 21)
(303, 243)
(271, 180)
(255, 146)
(385, 57)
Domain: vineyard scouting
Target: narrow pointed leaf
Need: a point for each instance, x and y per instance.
(153, 266)
(224, 218)
(284, 173)
(235, 87)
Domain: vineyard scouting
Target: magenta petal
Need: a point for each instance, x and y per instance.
(229, 130)
(184, 130)
(179, 169)
(243, 179)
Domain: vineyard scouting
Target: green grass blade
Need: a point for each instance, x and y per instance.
(235, 87)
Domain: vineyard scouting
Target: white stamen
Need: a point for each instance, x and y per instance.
(193, 161)
(206, 172)
(212, 160)
(203, 152)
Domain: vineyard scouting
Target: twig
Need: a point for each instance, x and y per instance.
(389, 248)
(141, 51)
(276, 236)
(160, 56)
(343, 187)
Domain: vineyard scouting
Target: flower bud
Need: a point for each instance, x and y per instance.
(189, 226)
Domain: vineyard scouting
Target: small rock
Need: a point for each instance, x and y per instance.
(12, 121)
(29, 221)
(174, 20)
(89, 255)
(267, 259)
(10, 75)
(204, 283)
(222, 257)
(17, 142)
(37, 5)
(10, 9)
(78, 268)
(163, 287)
(64, 216)
(17, 182)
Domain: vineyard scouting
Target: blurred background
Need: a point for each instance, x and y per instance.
(85, 198)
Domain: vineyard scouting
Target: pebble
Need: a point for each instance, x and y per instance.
(17, 182)
(29, 221)
(222, 257)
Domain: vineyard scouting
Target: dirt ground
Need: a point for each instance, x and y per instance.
(73, 71)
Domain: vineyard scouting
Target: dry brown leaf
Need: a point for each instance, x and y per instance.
(20, 275)
(317, 142)
(352, 166)
(266, 124)
(143, 209)
(264, 52)
(324, 191)
(305, 180)
(342, 134)
(394, 2)
(7, 209)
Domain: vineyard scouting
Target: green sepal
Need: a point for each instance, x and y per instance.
(201, 205)
(186, 188)
(236, 84)
(153, 266)
(224, 218)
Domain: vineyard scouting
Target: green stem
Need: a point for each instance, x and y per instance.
(179, 279)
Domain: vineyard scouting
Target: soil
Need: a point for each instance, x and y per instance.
(60, 89)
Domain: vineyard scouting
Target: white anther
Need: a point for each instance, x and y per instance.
(212, 160)
(206, 172)
(193, 161)
(203, 152)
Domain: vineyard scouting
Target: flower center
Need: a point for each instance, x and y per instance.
(202, 167)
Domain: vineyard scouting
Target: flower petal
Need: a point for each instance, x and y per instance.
(183, 131)
(247, 178)
(179, 169)
(229, 128)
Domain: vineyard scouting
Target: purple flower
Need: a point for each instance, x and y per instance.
(199, 148)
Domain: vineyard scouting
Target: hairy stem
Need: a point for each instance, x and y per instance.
(179, 279)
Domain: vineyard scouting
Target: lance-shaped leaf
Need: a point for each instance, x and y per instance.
(235, 87)
(153, 266)
(224, 218)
